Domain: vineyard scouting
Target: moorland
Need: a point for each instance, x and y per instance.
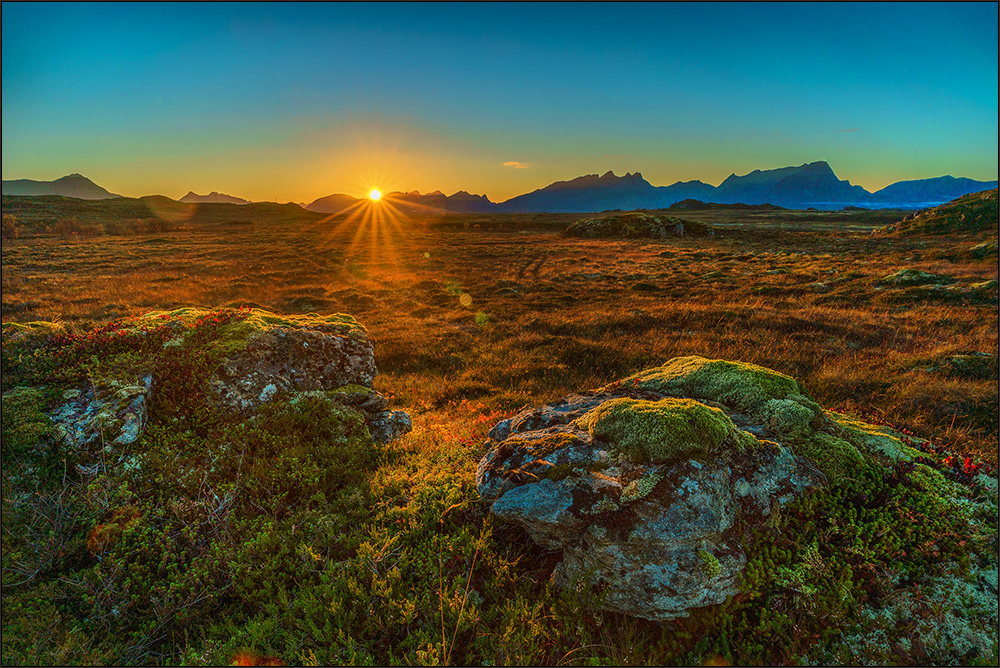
(472, 317)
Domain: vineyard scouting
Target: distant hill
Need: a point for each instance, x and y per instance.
(697, 205)
(811, 185)
(74, 185)
(332, 203)
(37, 212)
(683, 190)
(212, 198)
(941, 189)
(975, 212)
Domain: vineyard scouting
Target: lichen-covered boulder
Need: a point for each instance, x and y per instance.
(111, 414)
(274, 354)
(263, 355)
(256, 357)
(647, 485)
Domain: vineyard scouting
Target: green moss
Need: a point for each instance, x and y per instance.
(933, 482)
(872, 439)
(836, 458)
(788, 418)
(24, 423)
(260, 319)
(745, 387)
(709, 564)
(662, 431)
(915, 277)
(559, 471)
(540, 447)
(640, 488)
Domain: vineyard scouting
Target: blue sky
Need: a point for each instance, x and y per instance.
(298, 101)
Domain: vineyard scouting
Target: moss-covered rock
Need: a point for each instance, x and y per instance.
(872, 440)
(637, 487)
(657, 486)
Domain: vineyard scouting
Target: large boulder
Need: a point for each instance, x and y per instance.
(259, 357)
(648, 484)
(275, 355)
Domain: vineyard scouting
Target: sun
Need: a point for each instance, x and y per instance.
(375, 195)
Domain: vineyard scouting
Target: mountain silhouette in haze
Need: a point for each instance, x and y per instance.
(810, 185)
(74, 185)
(587, 193)
(813, 184)
(460, 202)
(212, 198)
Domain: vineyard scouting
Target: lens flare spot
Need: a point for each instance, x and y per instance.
(465, 299)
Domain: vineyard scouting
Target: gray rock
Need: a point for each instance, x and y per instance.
(388, 425)
(659, 538)
(282, 359)
(299, 361)
(109, 415)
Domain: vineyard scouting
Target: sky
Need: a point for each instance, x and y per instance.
(292, 102)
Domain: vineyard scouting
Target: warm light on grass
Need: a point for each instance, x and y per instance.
(375, 195)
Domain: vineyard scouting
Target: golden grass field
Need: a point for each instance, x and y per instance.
(505, 309)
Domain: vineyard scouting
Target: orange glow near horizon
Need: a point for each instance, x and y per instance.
(371, 237)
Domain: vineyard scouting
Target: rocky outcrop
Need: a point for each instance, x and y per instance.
(648, 484)
(285, 355)
(262, 356)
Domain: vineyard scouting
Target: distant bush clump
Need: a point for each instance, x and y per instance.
(9, 229)
(637, 225)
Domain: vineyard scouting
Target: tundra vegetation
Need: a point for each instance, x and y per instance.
(292, 537)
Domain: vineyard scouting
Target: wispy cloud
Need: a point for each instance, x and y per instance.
(517, 165)
(850, 130)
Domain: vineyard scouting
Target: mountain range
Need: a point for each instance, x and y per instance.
(810, 185)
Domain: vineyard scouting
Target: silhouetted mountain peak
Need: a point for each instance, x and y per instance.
(71, 185)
